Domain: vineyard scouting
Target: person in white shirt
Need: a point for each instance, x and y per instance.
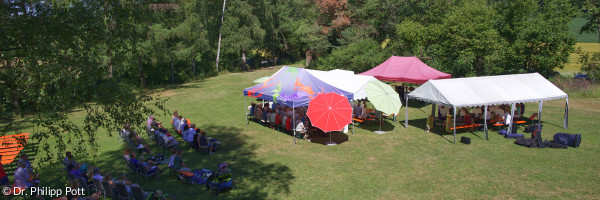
(507, 118)
(300, 129)
(444, 110)
(182, 124)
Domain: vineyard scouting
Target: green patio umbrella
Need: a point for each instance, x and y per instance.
(384, 98)
(261, 79)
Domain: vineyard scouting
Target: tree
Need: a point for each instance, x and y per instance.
(592, 8)
(590, 64)
(53, 61)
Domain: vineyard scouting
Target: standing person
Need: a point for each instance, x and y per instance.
(3, 176)
(401, 92)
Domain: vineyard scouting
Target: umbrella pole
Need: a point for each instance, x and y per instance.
(330, 143)
(379, 131)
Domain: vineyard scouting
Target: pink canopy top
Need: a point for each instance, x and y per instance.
(405, 69)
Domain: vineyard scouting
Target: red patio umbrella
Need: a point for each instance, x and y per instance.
(329, 112)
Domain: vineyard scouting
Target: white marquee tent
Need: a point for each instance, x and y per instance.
(489, 90)
(345, 80)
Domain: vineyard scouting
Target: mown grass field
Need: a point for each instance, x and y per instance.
(404, 163)
(587, 41)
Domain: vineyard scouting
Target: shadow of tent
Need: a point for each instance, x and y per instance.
(323, 138)
(440, 131)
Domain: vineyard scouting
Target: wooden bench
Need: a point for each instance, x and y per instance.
(466, 126)
(187, 176)
(10, 148)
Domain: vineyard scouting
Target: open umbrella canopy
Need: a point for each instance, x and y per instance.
(383, 97)
(261, 79)
(329, 112)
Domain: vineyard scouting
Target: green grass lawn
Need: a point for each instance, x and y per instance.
(404, 163)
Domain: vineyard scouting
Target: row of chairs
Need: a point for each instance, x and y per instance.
(160, 141)
(139, 171)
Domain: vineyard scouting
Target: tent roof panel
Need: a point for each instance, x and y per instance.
(488, 90)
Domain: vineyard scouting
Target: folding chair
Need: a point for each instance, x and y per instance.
(123, 194)
(108, 190)
(144, 172)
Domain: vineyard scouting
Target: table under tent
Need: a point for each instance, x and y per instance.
(488, 91)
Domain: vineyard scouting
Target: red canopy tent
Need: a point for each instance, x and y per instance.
(405, 69)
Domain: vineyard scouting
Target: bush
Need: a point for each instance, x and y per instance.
(358, 56)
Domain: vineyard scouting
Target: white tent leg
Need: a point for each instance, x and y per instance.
(293, 122)
(454, 124)
(485, 128)
(540, 105)
(512, 114)
(406, 115)
(566, 121)
(245, 110)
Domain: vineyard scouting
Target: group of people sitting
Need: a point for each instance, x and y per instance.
(188, 131)
(500, 113)
(360, 110)
(276, 115)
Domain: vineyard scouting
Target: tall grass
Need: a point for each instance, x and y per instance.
(578, 87)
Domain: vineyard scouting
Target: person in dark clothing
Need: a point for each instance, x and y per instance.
(196, 141)
(205, 143)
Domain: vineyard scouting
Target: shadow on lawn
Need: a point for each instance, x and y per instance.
(438, 130)
(254, 179)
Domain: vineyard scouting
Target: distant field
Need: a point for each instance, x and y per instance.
(575, 25)
(572, 67)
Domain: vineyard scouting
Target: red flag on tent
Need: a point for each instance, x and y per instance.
(329, 112)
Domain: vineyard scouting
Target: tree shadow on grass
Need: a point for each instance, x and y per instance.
(254, 178)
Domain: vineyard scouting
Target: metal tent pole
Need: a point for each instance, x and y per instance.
(512, 114)
(485, 128)
(245, 110)
(293, 122)
(406, 115)
(454, 124)
(540, 105)
(566, 120)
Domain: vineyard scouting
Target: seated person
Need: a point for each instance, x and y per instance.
(178, 163)
(3, 176)
(273, 118)
(477, 112)
(443, 111)
(172, 158)
(25, 159)
(148, 165)
(97, 175)
(76, 195)
(122, 179)
(204, 142)
(139, 143)
(69, 160)
(176, 122)
(288, 123)
(76, 173)
(468, 120)
(22, 178)
(258, 112)
(171, 140)
(300, 129)
(126, 154)
(191, 133)
(251, 109)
